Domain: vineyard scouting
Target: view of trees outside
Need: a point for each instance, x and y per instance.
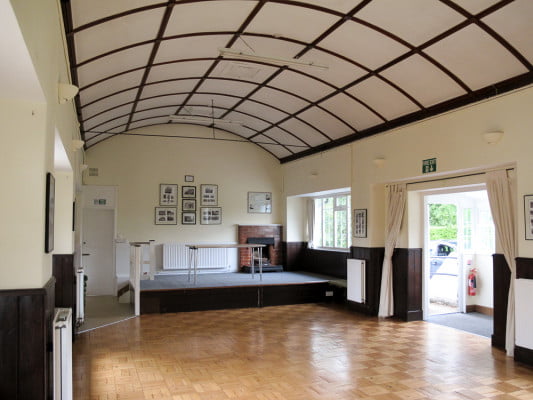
(442, 221)
(332, 221)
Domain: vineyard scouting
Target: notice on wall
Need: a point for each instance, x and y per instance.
(429, 165)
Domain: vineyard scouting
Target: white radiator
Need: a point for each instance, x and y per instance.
(175, 257)
(356, 280)
(62, 344)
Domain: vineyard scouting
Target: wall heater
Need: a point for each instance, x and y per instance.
(356, 280)
(175, 257)
(62, 344)
(80, 296)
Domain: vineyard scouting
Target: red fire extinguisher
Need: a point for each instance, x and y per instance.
(472, 282)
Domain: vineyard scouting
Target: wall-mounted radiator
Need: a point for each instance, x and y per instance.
(175, 257)
(62, 343)
(356, 280)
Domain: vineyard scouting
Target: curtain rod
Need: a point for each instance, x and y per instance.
(457, 176)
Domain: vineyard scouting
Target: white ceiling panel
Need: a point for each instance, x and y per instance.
(264, 140)
(110, 87)
(325, 122)
(107, 116)
(84, 12)
(147, 122)
(178, 86)
(108, 102)
(277, 151)
(251, 122)
(117, 33)
(194, 17)
(201, 110)
(241, 131)
(383, 98)
(267, 46)
(306, 87)
(161, 101)
(188, 69)
(250, 72)
(113, 64)
(304, 131)
(364, 45)
(284, 138)
(353, 112)
(190, 47)
(339, 72)
(337, 5)
(217, 100)
(112, 124)
(423, 80)
(162, 112)
(476, 6)
(290, 21)
(415, 21)
(226, 87)
(519, 33)
(476, 58)
(285, 101)
(262, 111)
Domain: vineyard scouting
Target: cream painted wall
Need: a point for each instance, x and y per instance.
(27, 146)
(137, 165)
(63, 236)
(296, 219)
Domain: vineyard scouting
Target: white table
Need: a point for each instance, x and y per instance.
(193, 255)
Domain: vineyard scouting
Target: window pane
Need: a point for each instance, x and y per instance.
(341, 201)
(317, 231)
(341, 229)
(327, 207)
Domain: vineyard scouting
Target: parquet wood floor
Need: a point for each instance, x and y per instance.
(297, 352)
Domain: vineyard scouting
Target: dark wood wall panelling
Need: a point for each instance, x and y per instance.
(501, 279)
(26, 334)
(327, 262)
(65, 288)
(294, 255)
(407, 284)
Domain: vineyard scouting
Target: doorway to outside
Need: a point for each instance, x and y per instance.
(459, 243)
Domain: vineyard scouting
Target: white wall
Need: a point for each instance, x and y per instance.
(63, 236)
(137, 165)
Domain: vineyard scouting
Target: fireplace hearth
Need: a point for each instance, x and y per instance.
(270, 236)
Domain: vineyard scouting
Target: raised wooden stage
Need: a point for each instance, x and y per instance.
(215, 291)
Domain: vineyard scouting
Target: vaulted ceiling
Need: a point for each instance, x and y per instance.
(366, 65)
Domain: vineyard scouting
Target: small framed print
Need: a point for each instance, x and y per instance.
(211, 215)
(189, 178)
(50, 210)
(528, 216)
(260, 202)
(188, 205)
(188, 192)
(166, 216)
(168, 194)
(209, 195)
(188, 218)
(359, 223)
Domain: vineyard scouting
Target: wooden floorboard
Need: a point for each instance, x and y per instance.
(294, 352)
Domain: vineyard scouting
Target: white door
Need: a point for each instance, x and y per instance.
(97, 251)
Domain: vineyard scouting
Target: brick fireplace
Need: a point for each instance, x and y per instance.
(254, 232)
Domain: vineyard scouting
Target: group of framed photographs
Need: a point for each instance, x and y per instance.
(167, 212)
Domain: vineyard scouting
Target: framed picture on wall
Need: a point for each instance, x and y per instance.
(168, 194)
(166, 215)
(260, 202)
(211, 215)
(359, 223)
(528, 216)
(188, 192)
(188, 218)
(50, 212)
(209, 195)
(188, 205)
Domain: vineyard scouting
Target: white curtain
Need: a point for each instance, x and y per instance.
(396, 197)
(499, 190)
(310, 222)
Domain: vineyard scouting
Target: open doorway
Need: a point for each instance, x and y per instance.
(460, 241)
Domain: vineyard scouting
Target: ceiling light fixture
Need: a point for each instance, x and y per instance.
(242, 55)
(66, 92)
(207, 120)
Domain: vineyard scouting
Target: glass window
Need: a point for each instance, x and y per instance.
(332, 222)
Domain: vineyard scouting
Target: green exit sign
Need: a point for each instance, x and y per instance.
(429, 165)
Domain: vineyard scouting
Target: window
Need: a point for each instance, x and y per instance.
(332, 222)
